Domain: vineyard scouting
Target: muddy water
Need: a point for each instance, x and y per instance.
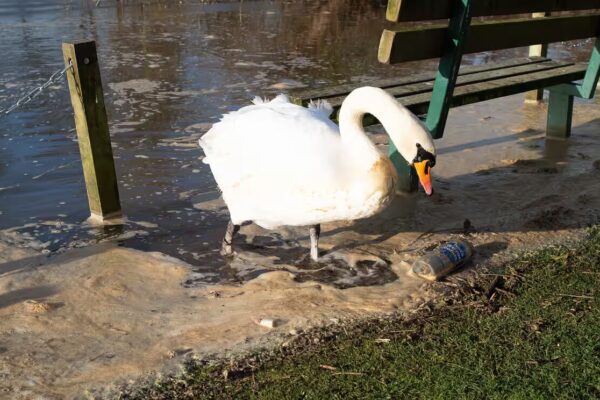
(169, 70)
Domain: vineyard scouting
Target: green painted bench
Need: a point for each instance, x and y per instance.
(455, 30)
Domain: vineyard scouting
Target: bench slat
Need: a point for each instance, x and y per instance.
(343, 90)
(426, 86)
(410, 90)
(421, 10)
(468, 93)
(399, 45)
(489, 90)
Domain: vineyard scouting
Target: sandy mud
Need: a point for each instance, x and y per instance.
(95, 315)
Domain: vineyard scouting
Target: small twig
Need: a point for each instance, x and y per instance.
(575, 296)
(404, 331)
(348, 373)
(492, 288)
(328, 367)
(382, 340)
(505, 292)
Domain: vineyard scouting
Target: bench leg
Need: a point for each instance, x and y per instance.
(560, 115)
(408, 177)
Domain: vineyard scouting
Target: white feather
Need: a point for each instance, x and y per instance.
(322, 106)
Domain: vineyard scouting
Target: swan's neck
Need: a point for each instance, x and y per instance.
(404, 129)
(354, 137)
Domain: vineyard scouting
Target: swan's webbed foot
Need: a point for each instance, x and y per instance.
(315, 232)
(227, 244)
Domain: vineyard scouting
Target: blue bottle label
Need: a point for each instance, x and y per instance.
(456, 252)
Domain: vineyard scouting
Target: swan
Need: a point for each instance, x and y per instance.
(281, 164)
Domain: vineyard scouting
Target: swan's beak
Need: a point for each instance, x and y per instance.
(424, 173)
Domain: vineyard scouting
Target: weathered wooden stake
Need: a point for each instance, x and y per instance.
(537, 50)
(87, 97)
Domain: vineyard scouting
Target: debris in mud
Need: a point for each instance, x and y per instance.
(269, 322)
(36, 307)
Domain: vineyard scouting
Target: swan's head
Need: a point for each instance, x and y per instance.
(423, 162)
(414, 143)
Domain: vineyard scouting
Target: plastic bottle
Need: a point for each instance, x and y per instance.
(443, 260)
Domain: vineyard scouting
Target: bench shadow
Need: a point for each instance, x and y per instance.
(20, 295)
(13, 267)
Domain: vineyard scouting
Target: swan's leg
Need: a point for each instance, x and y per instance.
(226, 247)
(315, 231)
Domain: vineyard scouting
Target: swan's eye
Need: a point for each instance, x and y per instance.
(424, 155)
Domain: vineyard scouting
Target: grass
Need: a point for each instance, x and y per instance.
(532, 333)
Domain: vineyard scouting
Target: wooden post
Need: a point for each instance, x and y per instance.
(537, 50)
(87, 97)
(560, 115)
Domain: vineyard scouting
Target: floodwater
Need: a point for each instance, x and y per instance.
(169, 70)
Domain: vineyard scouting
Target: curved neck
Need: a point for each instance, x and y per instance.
(351, 125)
(403, 128)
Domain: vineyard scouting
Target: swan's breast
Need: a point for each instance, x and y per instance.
(377, 189)
(384, 176)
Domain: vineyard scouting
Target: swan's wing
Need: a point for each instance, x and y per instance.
(273, 144)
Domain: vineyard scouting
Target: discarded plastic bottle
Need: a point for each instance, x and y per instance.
(443, 260)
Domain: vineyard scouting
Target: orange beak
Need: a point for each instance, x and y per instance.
(424, 173)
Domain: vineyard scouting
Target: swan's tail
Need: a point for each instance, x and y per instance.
(281, 98)
(322, 106)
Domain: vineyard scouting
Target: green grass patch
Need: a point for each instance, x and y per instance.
(537, 337)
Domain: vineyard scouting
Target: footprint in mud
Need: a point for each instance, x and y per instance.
(533, 167)
(523, 167)
(553, 218)
(344, 270)
(336, 268)
(543, 201)
(585, 199)
(439, 198)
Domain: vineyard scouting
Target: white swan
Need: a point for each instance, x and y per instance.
(278, 163)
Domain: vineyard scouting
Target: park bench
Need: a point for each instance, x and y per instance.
(454, 30)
